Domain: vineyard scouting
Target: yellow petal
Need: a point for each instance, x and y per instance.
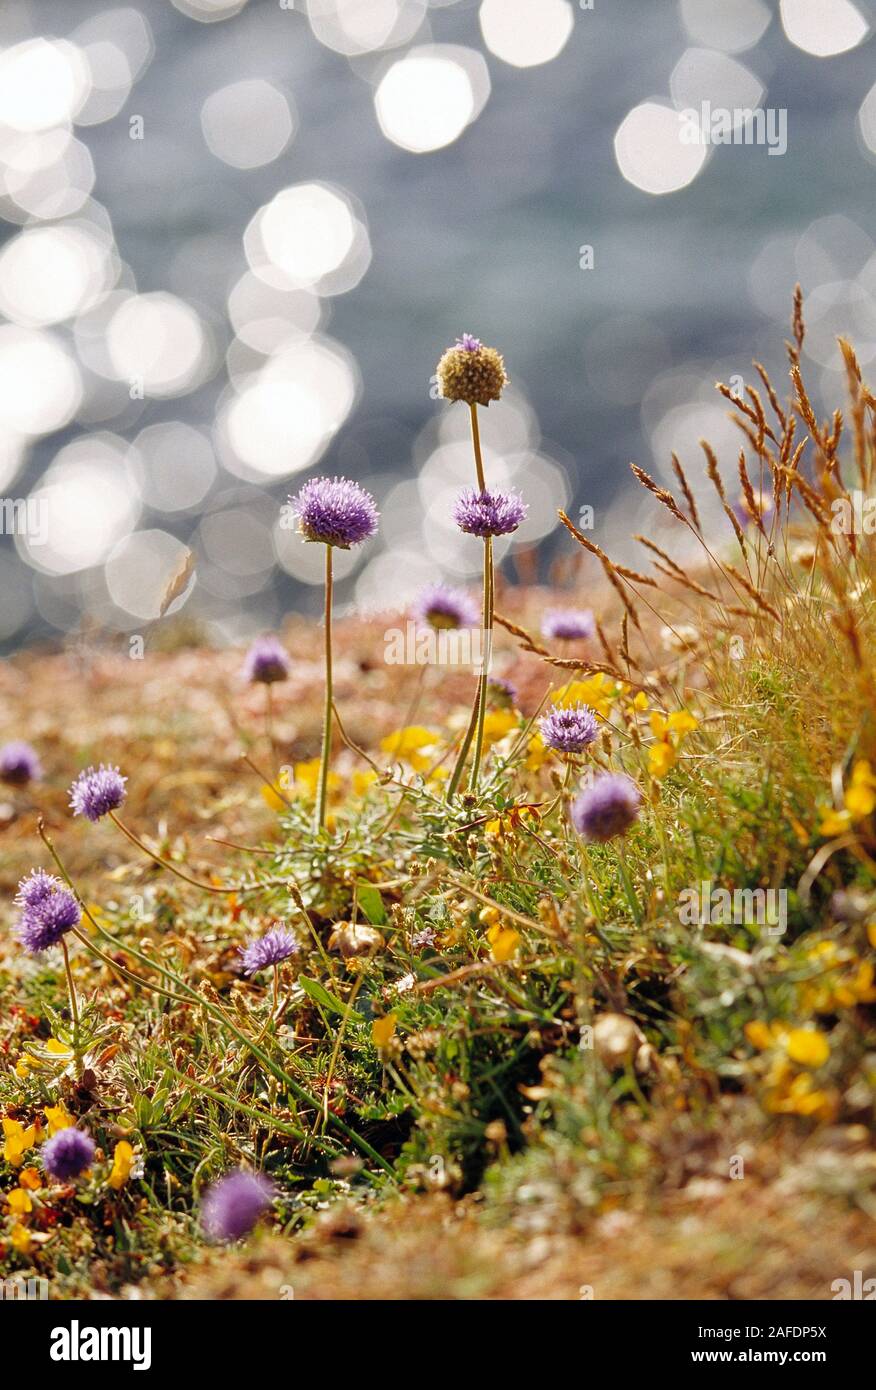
(19, 1201)
(759, 1034)
(382, 1029)
(661, 759)
(503, 943)
(123, 1159)
(21, 1239)
(57, 1117)
(808, 1047)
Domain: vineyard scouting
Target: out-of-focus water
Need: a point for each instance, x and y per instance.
(485, 235)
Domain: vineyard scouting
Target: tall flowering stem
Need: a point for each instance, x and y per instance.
(479, 708)
(325, 757)
(472, 372)
(334, 512)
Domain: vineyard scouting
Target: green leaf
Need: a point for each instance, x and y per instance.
(371, 903)
(326, 1000)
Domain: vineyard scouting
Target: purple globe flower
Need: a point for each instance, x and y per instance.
(275, 946)
(488, 513)
(569, 730)
(36, 887)
(233, 1205)
(49, 910)
(68, 1154)
(440, 606)
(97, 791)
(568, 624)
(335, 511)
(266, 661)
(19, 764)
(606, 807)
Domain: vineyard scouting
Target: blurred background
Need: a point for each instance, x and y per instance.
(237, 235)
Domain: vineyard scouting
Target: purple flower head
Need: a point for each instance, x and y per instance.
(19, 764)
(335, 511)
(569, 730)
(440, 606)
(468, 343)
(503, 693)
(275, 946)
(36, 887)
(49, 910)
(97, 791)
(266, 661)
(488, 513)
(568, 624)
(606, 807)
(68, 1154)
(233, 1205)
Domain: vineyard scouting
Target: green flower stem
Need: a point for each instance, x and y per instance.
(167, 864)
(485, 665)
(322, 785)
(479, 708)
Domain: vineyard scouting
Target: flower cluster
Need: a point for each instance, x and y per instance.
(68, 1154)
(471, 372)
(19, 764)
(97, 791)
(568, 625)
(234, 1204)
(488, 513)
(48, 910)
(607, 806)
(275, 946)
(266, 661)
(569, 730)
(443, 607)
(335, 511)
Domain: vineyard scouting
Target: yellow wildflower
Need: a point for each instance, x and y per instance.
(859, 801)
(19, 1201)
(598, 691)
(503, 943)
(58, 1117)
(807, 1047)
(307, 779)
(362, 780)
(407, 744)
(759, 1034)
(661, 759)
(511, 820)
(18, 1141)
(640, 702)
(123, 1160)
(22, 1068)
(382, 1029)
(498, 723)
(21, 1239)
(273, 798)
(29, 1177)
